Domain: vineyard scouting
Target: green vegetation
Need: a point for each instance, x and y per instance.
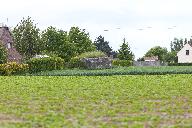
(107, 101)
(158, 51)
(3, 54)
(13, 68)
(124, 63)
(120, 71)
(44, 64)
(125, 53)
(27, 38)
(102, 45)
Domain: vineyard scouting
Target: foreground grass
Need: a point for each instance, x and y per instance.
(133, 70)
(96, 101)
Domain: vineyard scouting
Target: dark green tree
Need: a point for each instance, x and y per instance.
(125, 53)
(27, 38)
(171, 57)
(80, 41)
(102, 45)
(157, 51)
(3, 54)
(177, 44)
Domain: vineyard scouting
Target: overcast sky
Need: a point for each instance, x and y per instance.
(144, 23)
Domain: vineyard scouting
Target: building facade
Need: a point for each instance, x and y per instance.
(6, 41)
(185, 54)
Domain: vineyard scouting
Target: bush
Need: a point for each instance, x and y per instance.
(124, 63)
(180, 64)
(76, 62)
(12, 68)
(43, 64)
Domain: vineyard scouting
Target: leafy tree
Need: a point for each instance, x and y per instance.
(141, 59)
(56, 43)
(80, 41)
(124, 53)
(102, 45)
(171, 57)
(177, 44)
(27, 39)
(157, 51)
(3, 54)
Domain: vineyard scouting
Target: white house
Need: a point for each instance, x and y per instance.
(185, 54)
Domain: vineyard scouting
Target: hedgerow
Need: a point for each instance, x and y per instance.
(13, 68)
(44, 64)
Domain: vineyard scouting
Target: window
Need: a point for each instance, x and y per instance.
(187, 52)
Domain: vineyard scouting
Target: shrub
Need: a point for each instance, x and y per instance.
(124, 63)
(43, 64)
(12, 68)
(76, 62)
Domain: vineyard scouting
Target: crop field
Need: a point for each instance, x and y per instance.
(132, 70)
(96, 101)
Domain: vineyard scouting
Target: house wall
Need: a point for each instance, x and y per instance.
(182, 57)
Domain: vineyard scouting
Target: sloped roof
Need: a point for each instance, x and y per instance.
(1, 31)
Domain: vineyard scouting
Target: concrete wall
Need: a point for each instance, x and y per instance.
(149, 63)
(182, 57)
(97, 63)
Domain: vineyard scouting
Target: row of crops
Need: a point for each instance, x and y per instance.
(120, 71)
(97, 101)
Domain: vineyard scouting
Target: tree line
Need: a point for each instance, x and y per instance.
(30, 41)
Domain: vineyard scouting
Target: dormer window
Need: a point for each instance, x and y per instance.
(9, 45)
(187, 52)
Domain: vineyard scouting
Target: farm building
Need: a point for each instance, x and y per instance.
(185, 54)
(6, 40)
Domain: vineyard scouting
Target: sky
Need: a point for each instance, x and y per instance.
(144, 23)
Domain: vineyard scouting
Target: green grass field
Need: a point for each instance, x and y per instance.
(96, 101)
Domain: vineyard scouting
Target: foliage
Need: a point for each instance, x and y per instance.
(43, 64)
(13, 68)
(171, 57)
(27, 39)
(101, 101)
(131, 70)
(56, 42)
(124, 63)
(102, 45)
(76, 62)
(124, 53)
(3, 54)
(157, 51)
(141, 59)
(80, 41)
(177, 44)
